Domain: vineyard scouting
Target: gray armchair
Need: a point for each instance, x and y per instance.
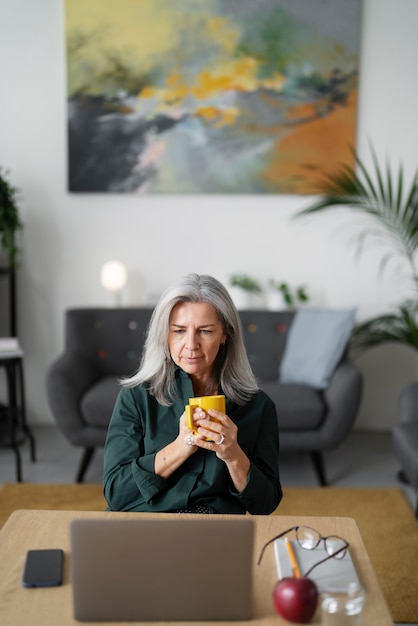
(405, 436)
(103, 344)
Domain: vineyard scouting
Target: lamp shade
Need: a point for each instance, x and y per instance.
(113, 275)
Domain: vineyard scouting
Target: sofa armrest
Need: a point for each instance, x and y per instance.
(342, 397)
(67, 379)
(408, 404)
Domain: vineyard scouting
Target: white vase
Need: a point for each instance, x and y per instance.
(275, 300)
(240, 298)
(245, 299)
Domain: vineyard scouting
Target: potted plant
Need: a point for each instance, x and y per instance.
(381, 196)
(245, 290)
(9, 218)
(281, 295)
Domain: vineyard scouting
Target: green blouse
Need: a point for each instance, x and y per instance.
(140, 427)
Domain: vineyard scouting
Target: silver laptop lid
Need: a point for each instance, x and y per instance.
(162, 569)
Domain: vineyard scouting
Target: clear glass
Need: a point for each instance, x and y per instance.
(342, 605)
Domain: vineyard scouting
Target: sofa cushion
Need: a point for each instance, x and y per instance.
(97, 404)
(315, 344)
(298, 407)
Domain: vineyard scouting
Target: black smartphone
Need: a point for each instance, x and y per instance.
(43, 568)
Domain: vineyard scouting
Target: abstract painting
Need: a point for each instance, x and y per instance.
(210, 96)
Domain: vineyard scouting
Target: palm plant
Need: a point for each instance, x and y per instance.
(380, 195)
(9, 218)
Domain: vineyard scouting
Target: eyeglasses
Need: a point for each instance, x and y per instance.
(308, 538)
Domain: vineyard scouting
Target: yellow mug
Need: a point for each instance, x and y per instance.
(205, 403)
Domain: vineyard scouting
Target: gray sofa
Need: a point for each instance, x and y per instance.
(104, 344)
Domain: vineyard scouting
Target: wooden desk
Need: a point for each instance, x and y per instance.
(27, 530)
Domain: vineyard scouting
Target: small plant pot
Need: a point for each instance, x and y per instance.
(245, 299)
(275, 301)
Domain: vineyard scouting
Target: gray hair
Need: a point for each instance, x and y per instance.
(232, 368)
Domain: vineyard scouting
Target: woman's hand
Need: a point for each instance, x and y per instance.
(174, 454)
(222, 433)
(186, 437)
(217, 432)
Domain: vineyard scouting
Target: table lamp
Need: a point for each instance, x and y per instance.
(113, 277)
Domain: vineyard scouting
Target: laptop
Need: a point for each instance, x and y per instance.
(162, 569)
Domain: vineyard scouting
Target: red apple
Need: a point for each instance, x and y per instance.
(295, 598)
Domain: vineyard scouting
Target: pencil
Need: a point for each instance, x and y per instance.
(292, 556)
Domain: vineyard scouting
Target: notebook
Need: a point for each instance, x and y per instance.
(326, 575)
(162, 569)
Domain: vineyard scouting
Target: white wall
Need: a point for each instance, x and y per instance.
(67, 237)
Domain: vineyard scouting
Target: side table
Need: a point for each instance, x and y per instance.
(13, 426)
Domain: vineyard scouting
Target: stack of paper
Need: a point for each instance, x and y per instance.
(9, 346)
(332, 571)
(9, 343)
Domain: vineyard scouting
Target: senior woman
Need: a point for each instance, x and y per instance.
(152, 461)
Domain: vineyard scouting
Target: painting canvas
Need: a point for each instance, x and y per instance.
(210, 96)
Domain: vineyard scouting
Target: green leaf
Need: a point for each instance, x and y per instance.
(398, 327)
(245, 282)
(379, 195)
(9, 217)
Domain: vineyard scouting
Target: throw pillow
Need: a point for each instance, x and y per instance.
(315, 344)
